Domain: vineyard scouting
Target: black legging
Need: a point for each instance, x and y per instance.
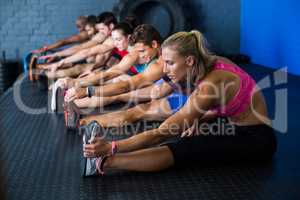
(245, 143)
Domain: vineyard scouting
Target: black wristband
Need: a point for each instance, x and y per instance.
(91, 91)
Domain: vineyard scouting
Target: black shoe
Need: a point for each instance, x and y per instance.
(42, 82)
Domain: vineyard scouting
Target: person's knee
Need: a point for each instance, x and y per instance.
(159, 108)
(137, 112)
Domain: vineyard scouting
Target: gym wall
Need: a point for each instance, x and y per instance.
(270, 33)
(219, 20)
(28, 24)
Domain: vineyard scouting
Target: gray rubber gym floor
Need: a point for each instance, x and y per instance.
(42, 161)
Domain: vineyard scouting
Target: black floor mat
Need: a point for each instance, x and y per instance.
(41, 161)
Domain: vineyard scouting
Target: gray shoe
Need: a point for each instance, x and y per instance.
(72, 116)
(92, 166)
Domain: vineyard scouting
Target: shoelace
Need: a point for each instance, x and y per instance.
(100, 164)
(67, 112)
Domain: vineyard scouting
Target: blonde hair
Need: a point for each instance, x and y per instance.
(193, 43)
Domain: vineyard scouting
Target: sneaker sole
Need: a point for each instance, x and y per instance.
(32, 65)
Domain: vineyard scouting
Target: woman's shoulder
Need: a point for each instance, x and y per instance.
(214, 76)
(220, 59)
(223, 69)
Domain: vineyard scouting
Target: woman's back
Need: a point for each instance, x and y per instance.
(243, 103)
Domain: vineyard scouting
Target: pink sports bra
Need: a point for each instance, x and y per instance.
(242, 99)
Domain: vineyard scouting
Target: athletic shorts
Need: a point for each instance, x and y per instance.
(176, 100)
(221, 141)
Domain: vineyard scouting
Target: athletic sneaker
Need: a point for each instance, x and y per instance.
(54, 96)
(57, 98)
(60, 99)
(72, 115)
(32, 66)
(42, 81)
(92, 166)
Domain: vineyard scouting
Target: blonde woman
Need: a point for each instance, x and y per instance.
(219, 89)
